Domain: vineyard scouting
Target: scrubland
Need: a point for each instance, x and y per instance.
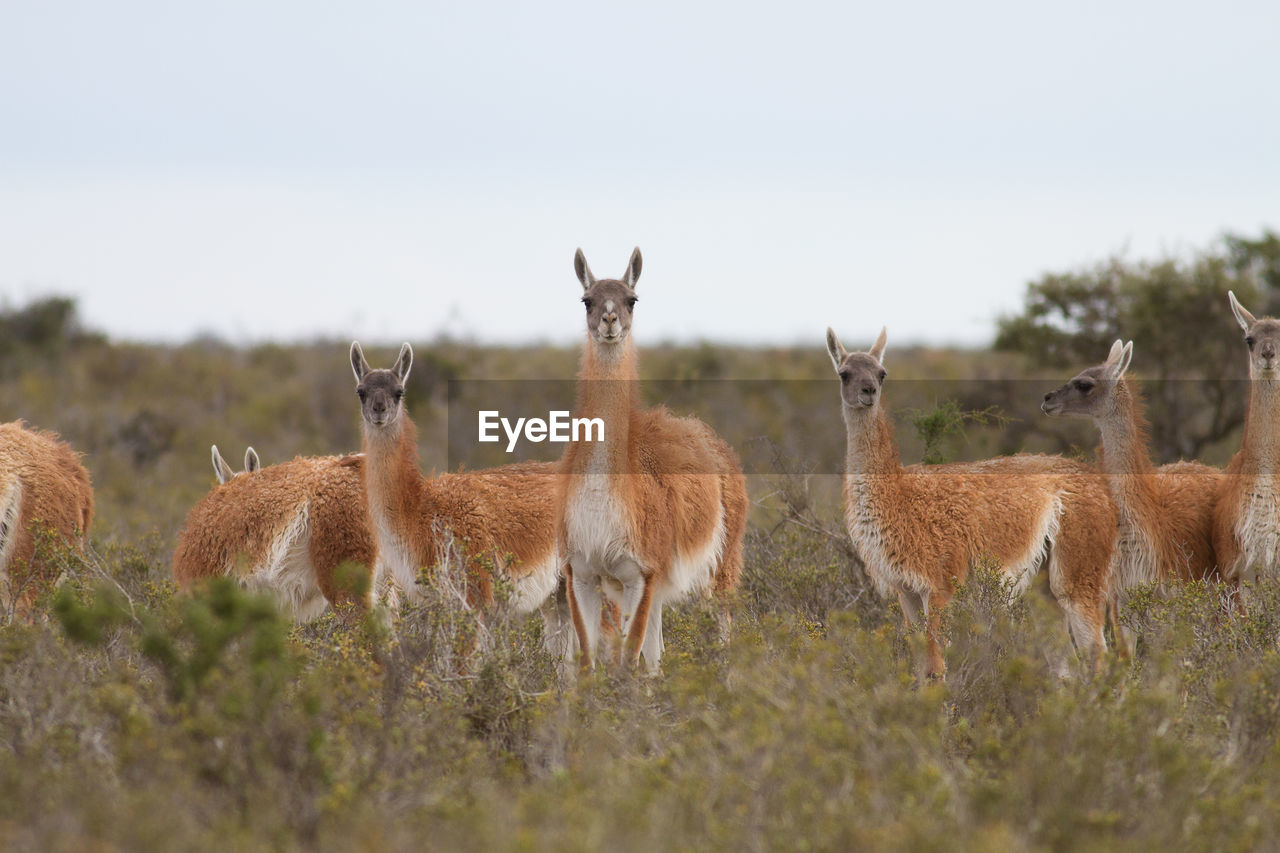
(135, 718)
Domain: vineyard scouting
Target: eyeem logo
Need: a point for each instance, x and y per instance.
(558, 427)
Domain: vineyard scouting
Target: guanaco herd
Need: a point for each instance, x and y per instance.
(600, 541)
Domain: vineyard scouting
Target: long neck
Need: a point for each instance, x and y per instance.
(1260, 445)
(608, 389)
(870, 448)
(396, 488)
(1124, 435)
(1127, 462)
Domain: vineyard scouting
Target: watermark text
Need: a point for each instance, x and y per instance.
(558, 427)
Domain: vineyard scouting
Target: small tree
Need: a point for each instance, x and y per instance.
(42, 328)
(1176, 311)
(948, 420)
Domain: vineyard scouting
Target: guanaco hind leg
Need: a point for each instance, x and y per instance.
(639, 624)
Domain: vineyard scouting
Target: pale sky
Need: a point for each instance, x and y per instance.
(396, 170)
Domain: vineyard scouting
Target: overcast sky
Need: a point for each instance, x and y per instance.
(271, 170)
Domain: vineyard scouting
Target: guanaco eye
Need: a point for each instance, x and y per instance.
(586, 302)
(883, 374)
(1250, 341)
(1084, 387)
(360, 393)
(399, 396)
(631, 303)
(844, 376)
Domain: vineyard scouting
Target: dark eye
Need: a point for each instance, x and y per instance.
(631, 303)
(883, 374)
(844, 376)
(399, 395)
(360, 393)
(1250, 341)
(1084, 387)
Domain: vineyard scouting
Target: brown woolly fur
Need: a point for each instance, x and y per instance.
(1165, 514)
(655, 510)
(43, 486)
(501, 517)
(920, 529)
(1246, 524)
(292, 529)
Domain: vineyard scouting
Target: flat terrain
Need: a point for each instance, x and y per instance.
(132, 718)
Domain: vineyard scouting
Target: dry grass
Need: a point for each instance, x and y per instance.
(134, 718)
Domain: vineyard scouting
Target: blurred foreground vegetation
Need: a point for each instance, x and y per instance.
(136, 719)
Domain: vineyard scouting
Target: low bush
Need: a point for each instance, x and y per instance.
(141, 718)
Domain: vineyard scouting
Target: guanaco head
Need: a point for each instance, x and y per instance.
(381, 392)
(1262, 337)
(861, 373)
(609, 301)
(1091, 393)
(223, 470)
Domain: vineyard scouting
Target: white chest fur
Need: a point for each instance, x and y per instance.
(596, 524)
(867, 532)
(1135, 554)
(1258, 529)
(395, 560)
(598, 529)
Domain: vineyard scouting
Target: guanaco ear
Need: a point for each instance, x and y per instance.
(583, 271)
(1114, 355)
(251, 461)
(404, 361)
(877, 349)
(835, 349)
(632, 275)
(359, 366)
(220, 466)
(1122, 358)
(1243, 317)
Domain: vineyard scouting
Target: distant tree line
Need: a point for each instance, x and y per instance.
(1187, 344)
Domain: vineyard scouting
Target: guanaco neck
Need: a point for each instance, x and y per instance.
(1125, 458)
(608, 389)
(870, 448)
(1124, 434)
(398, 493)
(1260, 444)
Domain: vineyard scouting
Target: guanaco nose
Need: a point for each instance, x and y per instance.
(1268, 349)
(868, 388)
(611, 317)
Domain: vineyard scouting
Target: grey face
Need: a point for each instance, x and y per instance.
(609, 304)
(381, 395)
(609, 301)
(1262, 337)
(862, 374)
(381, 392)
(1091, 392)
(1263, 340)
(1086, 395)
(861, 378)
